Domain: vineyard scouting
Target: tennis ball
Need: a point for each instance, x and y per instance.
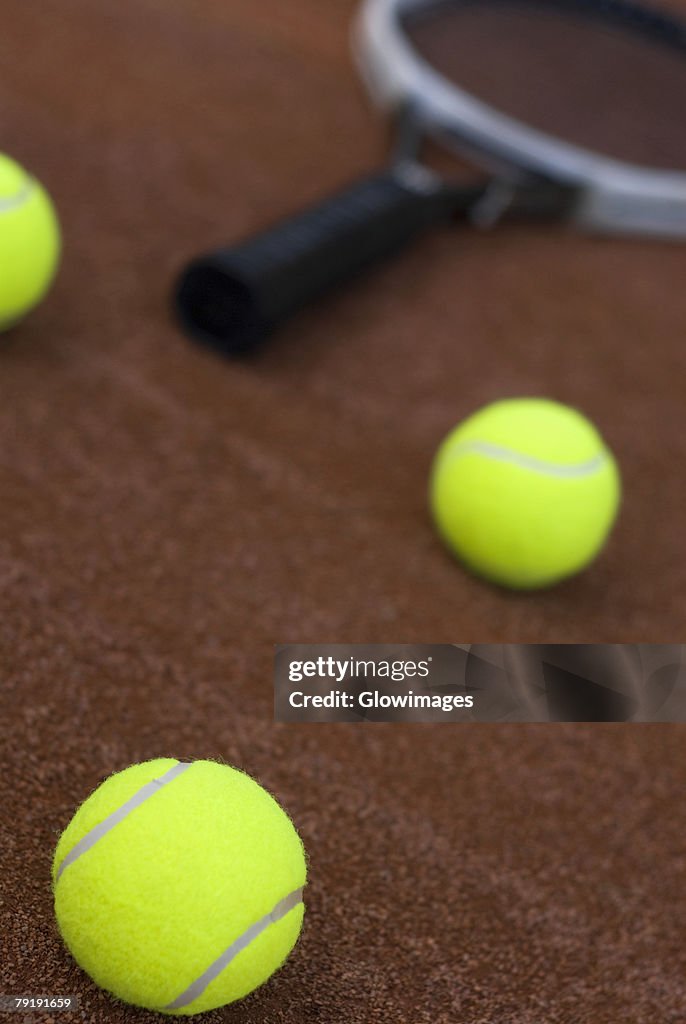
(29, 242)
(525, 492)
(178, 886)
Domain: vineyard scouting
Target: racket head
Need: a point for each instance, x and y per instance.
(613, 196)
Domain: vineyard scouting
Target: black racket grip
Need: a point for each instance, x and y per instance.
(232, 298)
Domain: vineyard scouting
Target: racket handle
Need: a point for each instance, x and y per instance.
(232, 298)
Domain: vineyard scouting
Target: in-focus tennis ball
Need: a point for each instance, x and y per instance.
(525, 492)
(29, 242)
(178, 886)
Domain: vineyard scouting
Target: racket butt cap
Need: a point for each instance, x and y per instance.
(217, 308)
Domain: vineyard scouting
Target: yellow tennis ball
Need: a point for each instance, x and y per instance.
(525, 492)
(178, 886)
(29, 242)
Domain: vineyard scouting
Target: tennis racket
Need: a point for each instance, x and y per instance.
(496, 83)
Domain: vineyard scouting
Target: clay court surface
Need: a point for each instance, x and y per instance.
(168, 517)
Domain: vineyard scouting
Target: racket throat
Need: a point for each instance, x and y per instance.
(542, 200)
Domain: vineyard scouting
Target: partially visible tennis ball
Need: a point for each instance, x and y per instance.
(178, 886)
(29, 242)
(525, 492)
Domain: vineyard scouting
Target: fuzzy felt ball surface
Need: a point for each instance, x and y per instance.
(178, 886)
(525, 492)
(29, 242)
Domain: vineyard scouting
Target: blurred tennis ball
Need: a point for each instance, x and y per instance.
(178, 886)
(29, 242)
(525, 492)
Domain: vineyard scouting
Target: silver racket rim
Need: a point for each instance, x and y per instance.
(614, 197)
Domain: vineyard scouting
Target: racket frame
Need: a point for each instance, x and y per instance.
(612, 197)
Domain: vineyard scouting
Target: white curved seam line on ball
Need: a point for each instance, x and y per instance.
(88, 841)
(197, 987)
(530, 462)
(17, 200)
